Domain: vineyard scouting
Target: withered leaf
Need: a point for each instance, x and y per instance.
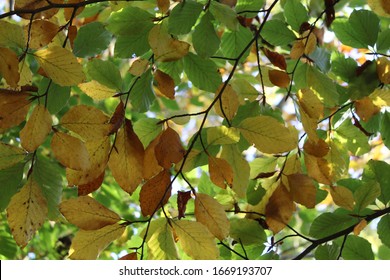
(90, 187)
(279, 78)
(165, 84)
(182, 199)
(151, 166)
(169, 150)
(155, 193)
(117, 118)
(276, 59)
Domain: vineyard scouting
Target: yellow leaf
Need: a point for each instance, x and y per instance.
(309, 125)
(318, 169)
(26, 212)
(165, 84)
(36, 129)
(302, 189)
(196, 240)
(310, 103)
(10, 155)
(365, 108)
(155, 193)
(279, 209)
(380, 97)
(221, 173)
(11, 35)
(88, 214)
(70, 151)
(310, 42)
(169, 150)
(222, 135)
(279, 78)
(164, 47)
(342, 197)
(228, 104)
(211, 213)
(14, 107)
(9, 67)
(87, 121)
(359, 227)
(60, 65)
(88, 244)
(96, 91)
(127, 158)
(268, 135)
(380, 7)
(139, 66)
(98, 151)
(41, 34)
(318, 149)
(160, 241)
(297, 49)
(383, 69)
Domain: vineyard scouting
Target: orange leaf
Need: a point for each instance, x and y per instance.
(127, 158)
(14, 107)
(165, 84)
(163, 5)
(276, 59)
(129, 257)
(151, 166)
(365, 108)
(302, 189)
(155, 193)
(221, 173)
(279, 78)
(279, 209)
(359, 227)
(117, 118)
(90, 187)
(169, 149)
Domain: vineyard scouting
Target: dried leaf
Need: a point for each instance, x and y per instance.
(10, 155)
(276, 59)
(117, 118)
(26, 212)
(279, 78)
(165, 84)
(70, 151)
(9, 66)
(129, 257)
(150, 165)
(182, 199)
(14, 107)
(221, 173)
(302, 189)
(87, 121)
(87, 213)
(196, 240)
(164, 47)
(228, 104)
(96, 90)
(342, 197)
(279, 209)
(211, 213)
(60, 65)
(169, 149)
(90, 187)
(88, 244)
(127, 158)
(36, 129)
(359, 227)
(155, 193)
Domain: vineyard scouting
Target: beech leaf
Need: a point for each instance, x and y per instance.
(10, 155)
(169, 150)
(9, 66)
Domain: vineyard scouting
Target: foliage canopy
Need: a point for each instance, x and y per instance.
(195, 129)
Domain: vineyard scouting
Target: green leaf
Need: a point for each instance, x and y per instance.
(357, 248)
(295, 14)
(383, 43)
(254, 193)
(10, 155)
(49, 175)
(359, 31)
(243, 6)
(384, 252)
(91, 40)
(327, 252)
(8, 247)
(374, 171)
(384, 230)
(321, 58)
(330, 223)
(225, 15)
(203, 73)
(353, 138)
(147, 130)
(183, 17)
(173, 69)
(105, 72)
(205, 40)
(366, 194)
(385, 129)
(344, 67)
(142, 95)
(234, 42)
(323, 86)
(277, 33)
(10, 182)
(56, 98)
(130, 20)
(127, 46)
(247, 231)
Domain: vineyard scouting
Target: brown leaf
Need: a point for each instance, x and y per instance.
(90, 187)
(165, 84)
(276, 59)
(163, 5)
(330, 13)
(279, 78)
(72, 34)
(221, 173)
(42, 33)
(169, 150)
(68, 12)
(366, 109)
(297, 49)
(117, 118)
(129, 257)
(127, 158)
(302, 189)
(155, 193)
(182, 199)
(36, 5)
(14, 107)
(9, 67)
(317, 149)
(151, 166)
(279, 209)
